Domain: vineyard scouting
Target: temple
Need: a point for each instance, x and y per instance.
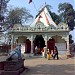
(46, 28)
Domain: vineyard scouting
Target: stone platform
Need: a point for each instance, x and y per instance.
(12, 67)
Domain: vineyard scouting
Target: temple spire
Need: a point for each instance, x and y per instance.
(45, 3)
(42, 6)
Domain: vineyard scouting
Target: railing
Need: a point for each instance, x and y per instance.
(38, 29)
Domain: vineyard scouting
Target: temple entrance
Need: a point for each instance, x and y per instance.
(51, 44)
(60, 43)
(27, 46)
(40, 43)
(21, 40)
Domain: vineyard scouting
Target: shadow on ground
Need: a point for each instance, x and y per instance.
(51, 70)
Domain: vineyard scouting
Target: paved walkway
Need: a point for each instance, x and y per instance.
(42, 66)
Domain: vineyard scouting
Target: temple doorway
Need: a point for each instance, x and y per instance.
(22, 40)
(60, 43)
(39, 42)
(51, 44)
(27, 46)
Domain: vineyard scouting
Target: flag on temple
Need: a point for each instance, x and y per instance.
(30, 1)
(40, 16)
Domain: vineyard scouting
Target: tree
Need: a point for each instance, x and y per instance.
(67, 14)
(70, 39)
(18, 15)
(3, 10)
(56, 18)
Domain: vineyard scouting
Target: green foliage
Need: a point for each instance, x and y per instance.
(70, 39)
(67, 14)
(18, 15)
(3, 10)
(56, 18)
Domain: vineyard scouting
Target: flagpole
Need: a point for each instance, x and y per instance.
(45, 2)
(35, 7)
(43, 5)
(31, 1)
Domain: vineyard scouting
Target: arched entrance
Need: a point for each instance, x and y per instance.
(39, 42)
(60, 43)
(21, 39)
(27, 46)
(51, 44)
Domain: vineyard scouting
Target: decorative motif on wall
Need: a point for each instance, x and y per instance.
(41, 27)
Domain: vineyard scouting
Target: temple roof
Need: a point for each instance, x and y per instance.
(43, 22)
(45, 18)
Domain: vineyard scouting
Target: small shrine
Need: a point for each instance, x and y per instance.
(45, 27)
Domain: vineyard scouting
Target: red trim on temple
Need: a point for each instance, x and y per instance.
(47, 19)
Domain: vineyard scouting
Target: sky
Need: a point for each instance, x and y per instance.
(36, 4)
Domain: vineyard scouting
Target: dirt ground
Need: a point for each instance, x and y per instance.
(41, 66)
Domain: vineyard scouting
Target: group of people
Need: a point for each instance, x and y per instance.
(48, 54)
(53, 54)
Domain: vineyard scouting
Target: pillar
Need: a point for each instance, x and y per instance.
(32, 44)
(46, 39)
(68, 50)
(12, 41)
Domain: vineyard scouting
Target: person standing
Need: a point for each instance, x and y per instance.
(48, 54)
(55, 53)
(52, 53)
(36, 50)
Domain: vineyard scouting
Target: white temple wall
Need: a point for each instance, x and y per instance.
(61, 47)
(61, 40)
